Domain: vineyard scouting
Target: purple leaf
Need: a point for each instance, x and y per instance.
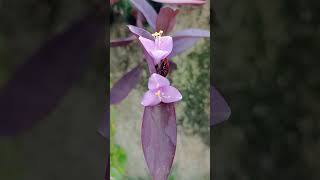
(124, 85)
(185, 39)
(41, 82)
(182, 44)
(159, 136)
(139, 19)
(192, 32)
(166, 19)
(122, 41)
(147, 10)
(182, 2)
(140, 32)
(219, 109)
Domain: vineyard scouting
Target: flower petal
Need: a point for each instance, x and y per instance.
(157, 81)
(170, 94)
(147, 44)
(158, 55)
(150, 99)
(164, 43)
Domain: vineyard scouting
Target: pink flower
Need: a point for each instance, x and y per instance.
(158, 49)
(160, 91)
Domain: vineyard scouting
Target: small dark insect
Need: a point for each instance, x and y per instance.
(163, 67)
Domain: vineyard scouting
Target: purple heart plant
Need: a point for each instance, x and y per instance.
(159, 128)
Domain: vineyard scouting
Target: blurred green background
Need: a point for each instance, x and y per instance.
(267, 66)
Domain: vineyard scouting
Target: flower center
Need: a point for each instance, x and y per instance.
(158, 93)
(157, 34)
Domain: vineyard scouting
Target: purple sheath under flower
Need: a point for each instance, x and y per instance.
(158, 49)
(160, 91)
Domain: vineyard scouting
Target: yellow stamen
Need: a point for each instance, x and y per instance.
(158, 93)
(157, 34)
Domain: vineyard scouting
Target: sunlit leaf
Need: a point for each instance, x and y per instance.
(159, 136)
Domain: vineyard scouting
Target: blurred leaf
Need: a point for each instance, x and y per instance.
(122, 41)
(147, 10)
(42, 81)
(124, 85)
(166, 19)
(159, 136)
(219, 109)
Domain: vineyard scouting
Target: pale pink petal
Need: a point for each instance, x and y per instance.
(147, 44)
(170, 94)
(164, 43)
(158, 55)
(156, 81)
(150, 99)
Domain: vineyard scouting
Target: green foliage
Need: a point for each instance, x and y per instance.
(124, 8)
(118, 156)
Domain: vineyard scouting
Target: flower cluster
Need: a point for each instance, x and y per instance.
(159, 86)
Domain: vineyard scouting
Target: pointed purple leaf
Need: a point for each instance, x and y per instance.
(192, 32)
(41, 82)
(124, 85)
(122, 41)
(185, 39)
(219, 109)
(182, 44)
(181, 2)
(147, 10)
(140, 32)
(166, 19)
(159, 136)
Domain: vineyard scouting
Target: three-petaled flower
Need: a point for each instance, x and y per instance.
(158, 49)
(160, 91)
